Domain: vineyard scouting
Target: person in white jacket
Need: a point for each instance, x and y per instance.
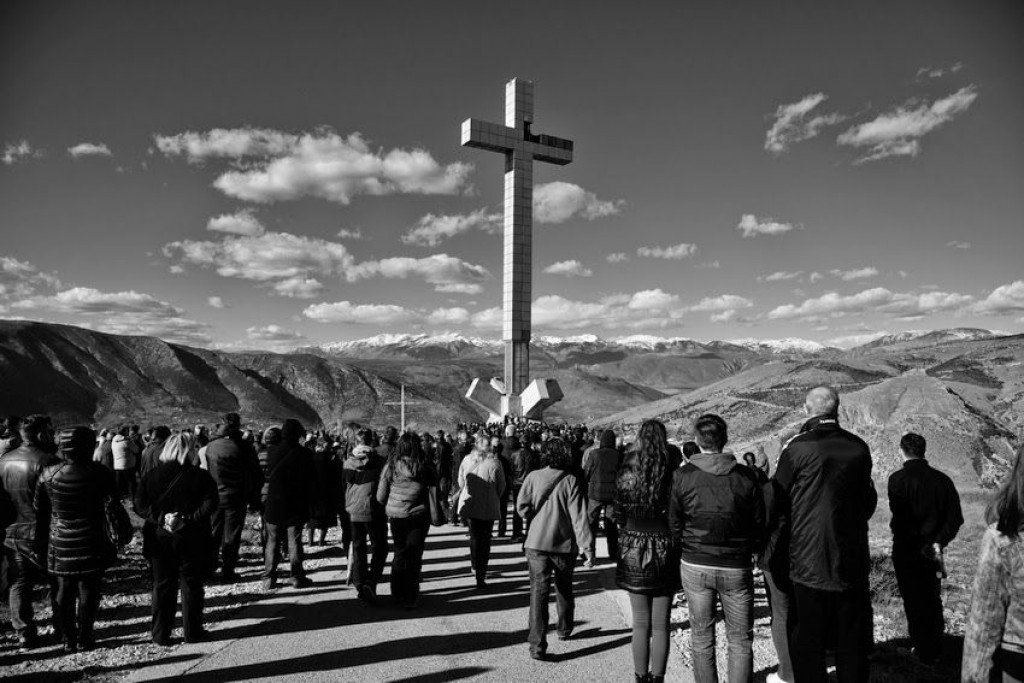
(125, 459)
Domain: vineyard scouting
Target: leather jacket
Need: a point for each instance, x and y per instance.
(20, 470)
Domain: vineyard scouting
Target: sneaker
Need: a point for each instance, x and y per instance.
(539, 655)
(366, 594)
(302, 582)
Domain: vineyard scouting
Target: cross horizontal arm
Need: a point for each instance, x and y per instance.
(490, 136)
(550, 149)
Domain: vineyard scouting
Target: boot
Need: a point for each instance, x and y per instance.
(642, 678)
(655, 679)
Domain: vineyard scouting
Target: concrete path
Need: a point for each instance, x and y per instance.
(457, 633)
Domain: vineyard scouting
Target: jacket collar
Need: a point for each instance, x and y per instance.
(915, 462)
(824, 421)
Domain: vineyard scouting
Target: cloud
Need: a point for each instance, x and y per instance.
(360, 314)
(898, 305)
(897, 133)
(459, 288)
(714, 265)
(793, 123)
(441, 270)
(347, 234)
(676, 252)
(938, 71)
(617, 257)
(128, 312)
(781, 276)
(17, 151)
(233, 143)
(432, 229)
(723, 302)
(21, 279)
(652, 300)
(275, 334)
(814, 277)
(89, 149)
(571, 268)
(448, 316)
(298, 287)
(1004, 299)
(215, 302)
(559, 201)
(239, 223)
(854, 274)
(959, 245)
(751, 226)
(648, 309)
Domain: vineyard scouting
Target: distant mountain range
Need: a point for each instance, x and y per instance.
(962, 388)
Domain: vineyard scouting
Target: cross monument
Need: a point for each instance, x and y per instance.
(516, 396)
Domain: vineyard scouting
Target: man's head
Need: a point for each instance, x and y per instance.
(822, 401)
(35, 430)
(607, 439)
(161, 433)
(913, 446)
(711, 433)
(76, 444)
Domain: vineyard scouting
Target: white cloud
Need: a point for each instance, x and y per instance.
(616, 312)
(14, 152)
(851, 340)
(89, 149)
(441, 270)
(298, 287)
(432, 229)
(781, 276)
(751, 226)
(617, 257)
(675, 252)
(275, 334)
(723, 302)
(938, 71)
(571, 268)
(21, 279)
(215, 302)
(360, 314)
(652, 300)
(897, 133)
(793, 123)
(814, 277)
(448, 316)
(714, 265)
(239, 223)
(1004, 299)
(459, 288)
(899, 305)
(559, 201)
(958, 245)
(854, 274)
(233, 143)
(347, 234)
(128, 312)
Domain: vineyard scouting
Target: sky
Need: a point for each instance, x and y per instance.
(242, 175)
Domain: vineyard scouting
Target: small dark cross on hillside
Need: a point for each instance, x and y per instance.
(403, 403)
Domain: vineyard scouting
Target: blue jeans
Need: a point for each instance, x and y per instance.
(735, 588)
(542, 565)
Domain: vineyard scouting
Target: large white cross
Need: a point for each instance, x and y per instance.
(521, 147)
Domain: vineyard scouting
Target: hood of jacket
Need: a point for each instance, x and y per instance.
(718, 464)
(360, 455)
(607, 439)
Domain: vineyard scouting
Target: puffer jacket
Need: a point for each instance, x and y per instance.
(234, 466)
(361, 473)
(824, 476)
(716, 510)
(996, 617)
(600, 466)
(648, 561)
(20, 470)
(70, 502)
(404, 494)
(482, 483)
(123, 450)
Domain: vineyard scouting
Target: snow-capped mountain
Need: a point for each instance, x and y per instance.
(786, 345)
(930, 337)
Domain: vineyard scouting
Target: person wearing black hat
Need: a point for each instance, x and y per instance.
(71, 502)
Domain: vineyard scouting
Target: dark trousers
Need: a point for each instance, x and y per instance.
(126, 481)
(542, 567)
(227, 523)
(276, 533)
(780, 603)
(596, 512)
(503, 519)
(23, 575)
(819, 614)
(519, 525)
(78, 601)
(376, 532)
(480, 545)
(410, 537)
(922, 602)
(179, 561)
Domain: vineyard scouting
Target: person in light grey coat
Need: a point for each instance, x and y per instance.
(482, 483)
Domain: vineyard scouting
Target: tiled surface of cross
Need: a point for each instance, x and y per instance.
(521, 148)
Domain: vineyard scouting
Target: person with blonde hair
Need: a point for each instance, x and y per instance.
(176, 500)
(481, 484)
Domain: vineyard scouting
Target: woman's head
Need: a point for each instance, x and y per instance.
(556, 453)
(1007, 508)
(180, 448)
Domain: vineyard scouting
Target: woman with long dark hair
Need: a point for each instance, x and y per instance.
(994, 640)
(648, 566)
(404, 493)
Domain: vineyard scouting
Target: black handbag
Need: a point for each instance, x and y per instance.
(117, 524)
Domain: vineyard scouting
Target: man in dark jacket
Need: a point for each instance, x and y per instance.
(20, 470)
(824, 477)
(925, 517)
(600, 466)
(361, 473)
(290, 491)
(716, 512)
(524, 460)
(150, 458)
(234, 466)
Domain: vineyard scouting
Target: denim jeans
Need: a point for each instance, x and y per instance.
(275, 534)
(542, 566)
(780, 599)
(735, 588)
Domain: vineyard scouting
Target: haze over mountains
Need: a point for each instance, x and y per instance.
(962, 388)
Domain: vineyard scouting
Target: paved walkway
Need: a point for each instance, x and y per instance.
(457, 632)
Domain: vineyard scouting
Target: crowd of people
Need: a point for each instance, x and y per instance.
(697, 520)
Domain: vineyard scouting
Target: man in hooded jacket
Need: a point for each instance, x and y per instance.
(600, 465)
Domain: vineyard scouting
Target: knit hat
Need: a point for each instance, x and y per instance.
(76, 444)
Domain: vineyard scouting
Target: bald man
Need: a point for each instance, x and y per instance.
(824, 479)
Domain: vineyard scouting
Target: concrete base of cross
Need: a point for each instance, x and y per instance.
(540, 395)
